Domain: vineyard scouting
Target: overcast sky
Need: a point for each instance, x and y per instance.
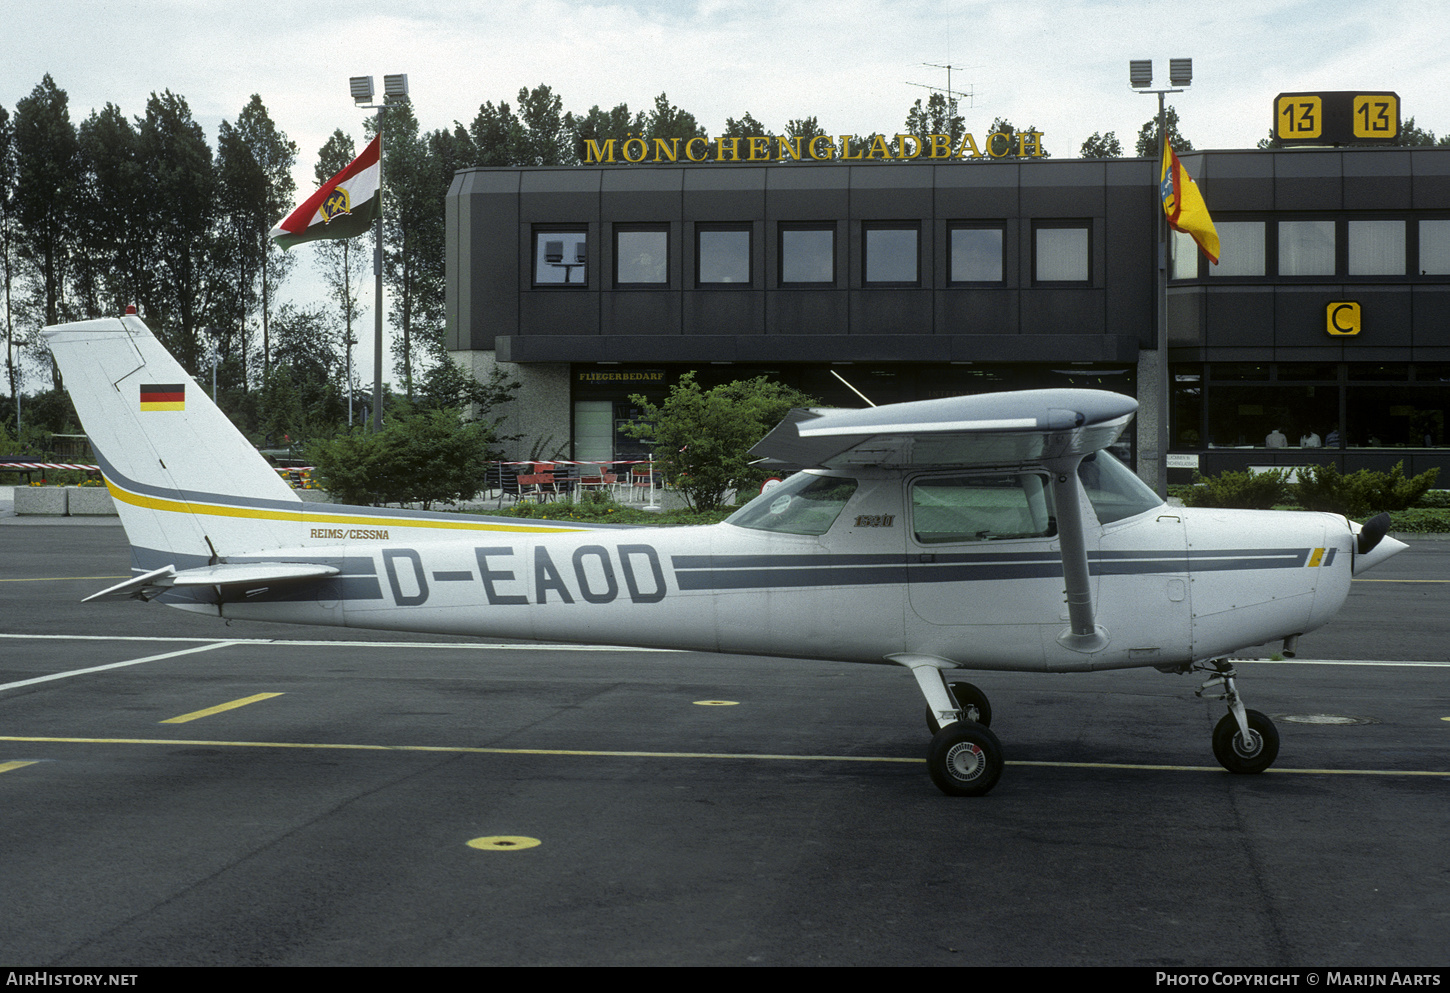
(1060, 66)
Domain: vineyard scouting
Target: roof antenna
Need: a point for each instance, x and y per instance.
(852, 388)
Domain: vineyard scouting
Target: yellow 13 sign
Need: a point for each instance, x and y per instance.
(1339, 118)
(1376, 115)
(1299, 116)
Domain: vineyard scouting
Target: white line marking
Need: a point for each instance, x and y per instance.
(1383, 662)
(115, 665)
(465, 646)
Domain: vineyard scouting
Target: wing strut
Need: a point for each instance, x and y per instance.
(1083, 633)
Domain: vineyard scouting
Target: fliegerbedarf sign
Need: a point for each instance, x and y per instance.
(821, 148)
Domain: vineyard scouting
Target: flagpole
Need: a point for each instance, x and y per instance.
(1140, 77)
(378, 289)
(1165, 391)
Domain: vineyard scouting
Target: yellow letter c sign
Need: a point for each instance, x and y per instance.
(1342, 317)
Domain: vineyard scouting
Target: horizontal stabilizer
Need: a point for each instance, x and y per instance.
(147, 585)
(986, 429)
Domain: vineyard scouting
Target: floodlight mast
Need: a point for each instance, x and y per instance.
(1140, 77)
(395, 88)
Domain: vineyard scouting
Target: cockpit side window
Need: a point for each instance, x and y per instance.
(982, 508)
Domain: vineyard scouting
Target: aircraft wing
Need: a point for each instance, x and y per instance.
(986, 429)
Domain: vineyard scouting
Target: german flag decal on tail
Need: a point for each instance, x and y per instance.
(163, 396)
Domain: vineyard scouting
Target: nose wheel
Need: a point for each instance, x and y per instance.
(1249, 753)
(1244, 741)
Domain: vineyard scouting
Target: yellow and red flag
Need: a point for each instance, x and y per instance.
(1184, 205)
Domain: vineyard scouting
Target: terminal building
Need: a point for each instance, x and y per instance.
(1323, 334)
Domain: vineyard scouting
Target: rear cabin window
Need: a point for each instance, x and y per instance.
(803, 504)
(982, 508)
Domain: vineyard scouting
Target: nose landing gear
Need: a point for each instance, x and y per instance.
(1244, 741)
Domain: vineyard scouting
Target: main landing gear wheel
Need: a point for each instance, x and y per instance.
(1254, 755)
(964, 759)
(967, 697)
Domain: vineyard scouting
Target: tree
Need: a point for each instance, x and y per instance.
(180, 212)
(600, 126)
(702, 438)
(1015, 141)
(46, 149)
(939, 116)
(254, 172)
(545, 137)
(1101, 146)
(497, 136)
(1147, 147)
(8, 171)
(420, 456)
(112, 197)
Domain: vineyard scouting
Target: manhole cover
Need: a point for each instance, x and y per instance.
(1325, 719)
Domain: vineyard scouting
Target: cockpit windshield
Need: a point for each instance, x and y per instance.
(803, 504)
(1114, 491)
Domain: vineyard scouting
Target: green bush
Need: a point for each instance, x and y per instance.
(1324, 487)
(423, 457)
(1243, 490)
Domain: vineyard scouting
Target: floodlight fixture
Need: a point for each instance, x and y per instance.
(362, 88)
(1180, 72)
(395, 86)
(1140, 73)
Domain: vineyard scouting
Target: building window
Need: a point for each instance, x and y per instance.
(975, 253)
(1061, 252)
(1376, 248)
(807, 255)
(722, 255)
(1240, 249)
(1183, 255)
(561, 257)
(892, 254)
(1306, 248)
(641, 256)
(1435, 248)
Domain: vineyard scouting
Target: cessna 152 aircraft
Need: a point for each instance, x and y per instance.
(989, 532)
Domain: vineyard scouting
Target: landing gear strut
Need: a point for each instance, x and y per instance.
(1244, 741)
(965, 757)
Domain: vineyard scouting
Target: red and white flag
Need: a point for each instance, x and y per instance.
(347, 205)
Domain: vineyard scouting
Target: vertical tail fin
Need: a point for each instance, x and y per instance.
(186, 483)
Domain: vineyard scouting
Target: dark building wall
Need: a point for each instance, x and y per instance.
(1276, 317)
(494, 303)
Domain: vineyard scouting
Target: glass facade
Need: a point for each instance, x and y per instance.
(1288, 405)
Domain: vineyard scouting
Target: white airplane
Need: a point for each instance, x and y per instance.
(989, 532)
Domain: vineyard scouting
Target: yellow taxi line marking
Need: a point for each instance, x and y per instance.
(219, 708)
(17, 764)
(1402, 580)
(596, 753)
(115, 665)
